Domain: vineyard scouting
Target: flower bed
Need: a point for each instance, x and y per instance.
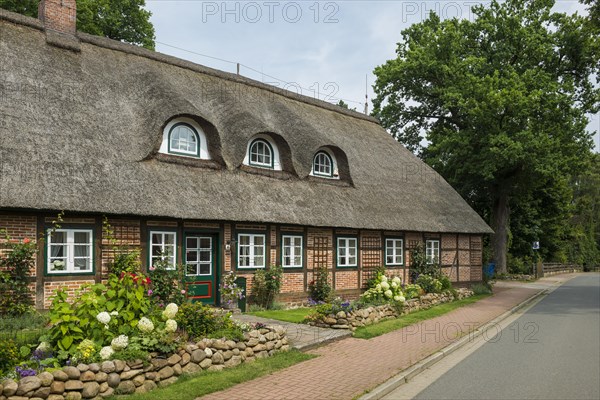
(351, 319)
(102, 379)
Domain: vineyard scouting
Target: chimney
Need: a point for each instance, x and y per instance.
(59, 15)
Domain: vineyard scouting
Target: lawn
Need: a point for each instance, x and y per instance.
(189, 387)
(368, 332)
(295, 315)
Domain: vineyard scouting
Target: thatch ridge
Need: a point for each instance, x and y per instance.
(79, 132)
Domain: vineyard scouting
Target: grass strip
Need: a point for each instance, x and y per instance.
(371, 331)
(188, 387)
(295, 315)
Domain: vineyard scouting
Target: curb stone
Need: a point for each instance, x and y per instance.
(409, 373)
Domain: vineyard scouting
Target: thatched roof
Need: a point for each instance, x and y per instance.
(79, 132)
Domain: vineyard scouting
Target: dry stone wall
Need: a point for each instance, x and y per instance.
(103, 379)
(371, 315)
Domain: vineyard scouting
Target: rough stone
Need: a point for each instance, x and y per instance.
(220, 345)
(42, 393)
(72, 372)
(113, 379)
(207, 362)
(208, 352)
(94, 367)
(198, 355)
(56, 397)
(270, 346)
(235, 360)
(159, 362)
(185, 358)
(28, 384)
(236, 351)
(125, 387)
(104, 387)
(217, 358)
(57, 387)
(73, 385)
(252, 342)
(231, 344)
(165, 373)
(138, 380)
(108, 392)
(285, 347)
(174, 359)
(216, 368)
(107, 366)
(227, 355)
(125, 376)
(149, 385)
(90, 390)
(249, 351)
(45, 378)
(190, 348)
(191, 368)
(259, 348)
(151, 375)
(168, 381)
(73, 396)
(270, 336)
(101, 376)
(83, 367)
(262, 339)
(177, 370)
(88, 376)
(135, 364)
(262, 354)
(120, 365)
(241, 346)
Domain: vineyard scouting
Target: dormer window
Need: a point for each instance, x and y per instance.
(184, 137)
(323, 165)
(261, 154)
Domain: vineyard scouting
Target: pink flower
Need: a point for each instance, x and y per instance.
(151, 269)
(149, 292)
(26, 241)
(182, 291)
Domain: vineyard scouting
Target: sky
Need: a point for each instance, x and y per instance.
(324, 49)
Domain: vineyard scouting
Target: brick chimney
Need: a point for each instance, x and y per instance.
(59, 15)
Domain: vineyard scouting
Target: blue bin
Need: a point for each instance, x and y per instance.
(490, 269)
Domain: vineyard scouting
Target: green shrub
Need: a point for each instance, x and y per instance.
(131, 353)
(266, 285)
(445, 281)
(481, 288)
(413, 291)
(319, 288)
(429, 284)
(166, 283)
(9, 356)
(420, 266)
(197, 319)
(384, 290)
(16, 264)
(376, 277)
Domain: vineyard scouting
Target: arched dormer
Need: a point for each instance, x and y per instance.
(184, 137)
(325, 164)
(263, 152)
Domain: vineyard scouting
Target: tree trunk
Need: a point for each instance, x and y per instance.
(500, 217)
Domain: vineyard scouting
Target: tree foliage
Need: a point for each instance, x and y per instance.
(502, 101)
(124, 20)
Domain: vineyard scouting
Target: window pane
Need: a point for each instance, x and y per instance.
(205, 243)
(191, 256)
(81, 237)
(287, 251)
(191, 269)
(244, 239)
(204, 269)
(82, 251)
(82, 264)
(169, 238)
(58, 237)
(286, 261)
(297, 261)
(58, 251)
(259, 261)
(156, 238)
(191, 243)
(205, 255)
(259, 240)
(259, 251)
(351, 260)
(244, 261)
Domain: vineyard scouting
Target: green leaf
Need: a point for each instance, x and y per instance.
(66, 342)
(25, 351)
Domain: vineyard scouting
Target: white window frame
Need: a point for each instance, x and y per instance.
(292, 246)
(196, 138)
(329, 164)
(162, 246)
(432, 251)
(397, 256)
(198, 250)
(69, 257)
(202, 148)
(347, 247)
(267, 146)
(251, 254)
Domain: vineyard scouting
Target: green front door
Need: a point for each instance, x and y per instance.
(201, 279)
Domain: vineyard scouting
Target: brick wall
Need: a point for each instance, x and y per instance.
(70, 286)
(126, 236)
(58, 15)
(18, 227)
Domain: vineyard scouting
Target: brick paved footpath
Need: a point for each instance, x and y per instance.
(345, 369)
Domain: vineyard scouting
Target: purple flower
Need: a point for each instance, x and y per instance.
(149, 292)
(24, 371)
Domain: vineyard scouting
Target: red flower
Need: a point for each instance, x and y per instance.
(26, 241)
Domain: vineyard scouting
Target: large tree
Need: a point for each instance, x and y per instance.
(125, 20)
(502, 101)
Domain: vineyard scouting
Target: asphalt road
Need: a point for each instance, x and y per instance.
(551, 352)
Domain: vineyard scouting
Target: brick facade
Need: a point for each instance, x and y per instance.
(460, 254)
